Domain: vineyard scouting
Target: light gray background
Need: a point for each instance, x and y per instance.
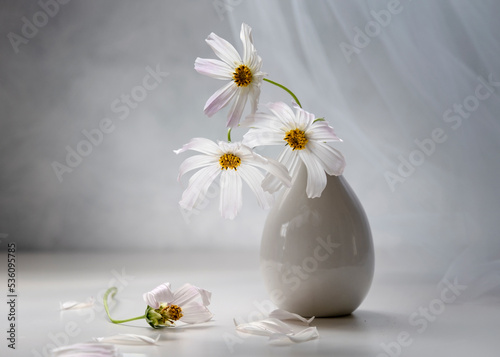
(124, 195)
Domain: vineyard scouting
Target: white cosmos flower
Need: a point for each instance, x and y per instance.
(305, 139)
(234, 162)
(187, 304)
(244, 75)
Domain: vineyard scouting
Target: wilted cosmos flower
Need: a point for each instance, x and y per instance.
(304, 139)
(187, 304)
(234, 162)
(244, 75)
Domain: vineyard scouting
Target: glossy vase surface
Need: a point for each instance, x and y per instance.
(317, 256)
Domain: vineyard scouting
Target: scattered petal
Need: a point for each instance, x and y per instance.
(74, 305)
(128, 339)
(86, 349)
(286, 315)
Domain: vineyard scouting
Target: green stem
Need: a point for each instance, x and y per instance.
(286, 89)
(113, 291)
(229, 135)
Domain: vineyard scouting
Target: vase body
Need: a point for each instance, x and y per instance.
(317, 255)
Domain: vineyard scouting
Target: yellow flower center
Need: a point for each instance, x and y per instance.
(242, 76)
(296, 138)
(172, 312)
(229, 161)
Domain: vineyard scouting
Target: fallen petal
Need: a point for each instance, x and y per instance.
(286, 315)
(128, 339)
(86, 349)
(73, 305)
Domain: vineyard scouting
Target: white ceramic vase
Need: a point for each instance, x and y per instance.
(317, 255)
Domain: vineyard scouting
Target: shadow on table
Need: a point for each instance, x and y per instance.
(362, 320)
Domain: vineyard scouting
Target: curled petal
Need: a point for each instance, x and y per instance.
(195, 313)
(128, 339)
(286, 315)
(158, 295)
(266, 327)
(188, 293)
(332, 160)
(316, 176)
(304, 335)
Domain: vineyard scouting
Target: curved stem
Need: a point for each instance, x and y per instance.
(113, 291)
(229, 135)
(285, 88)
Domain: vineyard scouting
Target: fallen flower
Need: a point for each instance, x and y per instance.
(187, 304)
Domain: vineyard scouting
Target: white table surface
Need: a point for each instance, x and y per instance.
(462, 328)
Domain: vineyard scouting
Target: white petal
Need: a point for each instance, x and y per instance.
(304, 335)
(275, 168)
(230, 194)
(205, 146)
(196, 162)
(213, 68)
(260, 120)
(188, 293)
(194, 313)
(247, 40)
(254, 94)
(316, 176)
(332, 160)
(321, 131)
(198, 186)
(286, 315)
(128, 339)
(85, 349)
(284, 113)
(303, 118)
(236, 110)
(253, 178)
(220, 99)
(259, 137)
(224, 50)
(73, 305)
(158, 295)
(266, 327)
